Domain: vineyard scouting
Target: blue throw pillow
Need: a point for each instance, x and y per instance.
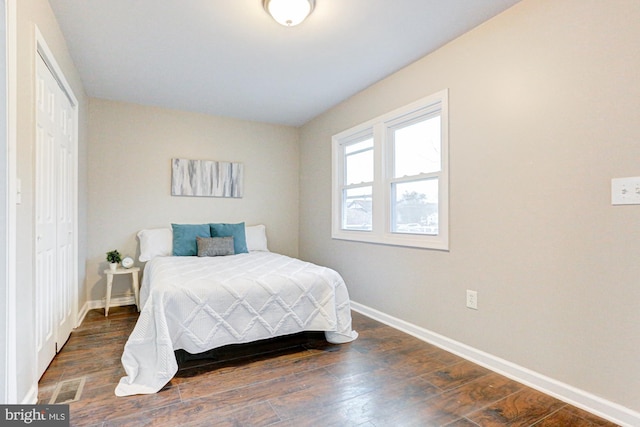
(184, 238)
(234, 230)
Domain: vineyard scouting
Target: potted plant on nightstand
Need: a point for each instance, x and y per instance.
(114, 258)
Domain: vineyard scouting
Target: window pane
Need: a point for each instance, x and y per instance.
(359, 162)
(360, 167)
(417, 148)
(415, 207)
(357, 211)
(359, 146)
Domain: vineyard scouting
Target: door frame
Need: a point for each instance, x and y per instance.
(9, 392)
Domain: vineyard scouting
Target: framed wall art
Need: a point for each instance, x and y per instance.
(206, 178)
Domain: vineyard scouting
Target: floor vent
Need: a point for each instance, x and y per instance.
(68, 391)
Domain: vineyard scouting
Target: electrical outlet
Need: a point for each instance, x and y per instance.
(472, 299)
(625, 191)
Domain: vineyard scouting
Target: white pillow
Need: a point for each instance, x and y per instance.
(155, 242)
(256, 238)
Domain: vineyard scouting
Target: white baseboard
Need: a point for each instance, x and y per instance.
(82, 314)
(601, 407)
(32, 396)
(100, 303)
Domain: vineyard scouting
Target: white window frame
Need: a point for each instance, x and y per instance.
(351, 140)
(381, 128)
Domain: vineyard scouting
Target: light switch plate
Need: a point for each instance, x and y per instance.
(625, 191)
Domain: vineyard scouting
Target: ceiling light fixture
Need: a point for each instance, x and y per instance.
(289, 12)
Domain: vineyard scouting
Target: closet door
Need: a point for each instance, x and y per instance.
(64, 194)
(45, 215)
(54, 176)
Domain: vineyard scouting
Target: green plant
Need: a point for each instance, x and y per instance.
(114, 256)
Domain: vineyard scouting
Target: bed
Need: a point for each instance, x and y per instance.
(197, 303)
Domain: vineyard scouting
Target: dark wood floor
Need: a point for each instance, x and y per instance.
(384, 378)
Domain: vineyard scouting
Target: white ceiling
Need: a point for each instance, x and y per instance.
(229, 58)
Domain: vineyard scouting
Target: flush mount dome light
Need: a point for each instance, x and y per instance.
(289, 12)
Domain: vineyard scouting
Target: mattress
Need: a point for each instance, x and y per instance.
(200, 303)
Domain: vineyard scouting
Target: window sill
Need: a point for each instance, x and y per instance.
(394, 239)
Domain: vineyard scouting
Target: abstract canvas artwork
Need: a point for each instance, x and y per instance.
(206, 178)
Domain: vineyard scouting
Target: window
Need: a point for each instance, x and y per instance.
(357, 190)
(390, 177)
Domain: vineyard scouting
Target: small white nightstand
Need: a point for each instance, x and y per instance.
(134, 272)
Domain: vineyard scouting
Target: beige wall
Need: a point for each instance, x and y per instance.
(130, 154)
(31, 13)
(544, 106)
(544, 103)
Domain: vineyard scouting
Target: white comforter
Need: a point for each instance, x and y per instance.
(197, 304)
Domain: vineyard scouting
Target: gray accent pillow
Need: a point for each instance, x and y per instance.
(215, 246)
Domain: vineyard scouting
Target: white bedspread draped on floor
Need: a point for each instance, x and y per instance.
(197, 304)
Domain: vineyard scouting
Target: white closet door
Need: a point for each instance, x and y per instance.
(53, 216)
(45, 215)
(64, 198)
